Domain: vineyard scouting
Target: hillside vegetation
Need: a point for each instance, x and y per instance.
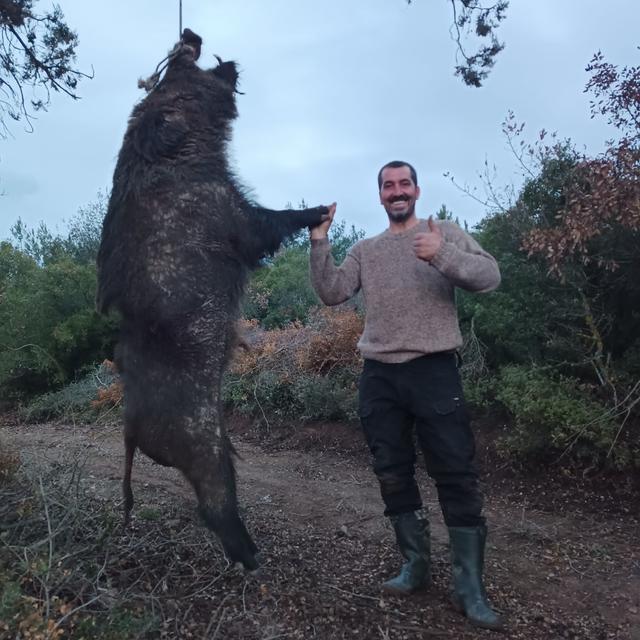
(555, 351)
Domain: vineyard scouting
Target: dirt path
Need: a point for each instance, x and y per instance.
(317, 518)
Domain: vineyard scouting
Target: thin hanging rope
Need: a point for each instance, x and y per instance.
(152, 81)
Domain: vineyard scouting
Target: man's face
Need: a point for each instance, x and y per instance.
(398, 193)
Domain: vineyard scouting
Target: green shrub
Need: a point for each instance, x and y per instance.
(298, 372)
(555, 414)
(478, 393)
(49, 330)
(324, 398)
(305, 398)
(271, 394)
(75, 402)
(281, 292)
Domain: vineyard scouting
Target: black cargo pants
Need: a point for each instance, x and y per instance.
(424, 394)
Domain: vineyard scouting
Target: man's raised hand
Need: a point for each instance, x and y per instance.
(426, 245)
(321, 231)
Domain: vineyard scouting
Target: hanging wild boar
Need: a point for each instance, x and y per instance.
(179, 239)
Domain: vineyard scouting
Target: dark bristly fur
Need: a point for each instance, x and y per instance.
(178, 241)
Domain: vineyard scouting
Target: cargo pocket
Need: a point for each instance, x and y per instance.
(452, 411)
(445, 407)
(455, 435)
(373, 430)
(364, 413)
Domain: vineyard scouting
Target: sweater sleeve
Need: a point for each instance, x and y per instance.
(333, 284)
(463, 261)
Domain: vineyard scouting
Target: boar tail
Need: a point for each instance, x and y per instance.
(130, 449)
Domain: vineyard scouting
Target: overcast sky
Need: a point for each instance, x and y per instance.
(333, 89)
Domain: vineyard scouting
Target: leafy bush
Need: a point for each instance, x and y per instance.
(319, 397)
(49, 330)
(554, 414)
(281, 292)
(306, 398)
(298, 372)
(90, 399)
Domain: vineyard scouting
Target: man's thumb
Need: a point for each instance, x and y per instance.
(433, 227)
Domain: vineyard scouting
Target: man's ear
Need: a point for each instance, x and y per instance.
(417, 192)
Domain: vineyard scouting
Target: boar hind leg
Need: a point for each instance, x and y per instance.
(214, 483)
(236, 540)
(130, 449)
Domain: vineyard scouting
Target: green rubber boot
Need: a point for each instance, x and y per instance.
(412, 535)
(467, 560)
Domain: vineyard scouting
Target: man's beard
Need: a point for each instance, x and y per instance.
(401, 217)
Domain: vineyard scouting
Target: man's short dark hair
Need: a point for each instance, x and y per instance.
(396, 164)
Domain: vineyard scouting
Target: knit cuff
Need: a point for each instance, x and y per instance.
(443, 258)
(319, 242)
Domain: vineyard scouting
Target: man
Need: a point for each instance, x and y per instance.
(410, 380)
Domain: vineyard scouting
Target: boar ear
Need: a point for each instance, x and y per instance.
(227, 71)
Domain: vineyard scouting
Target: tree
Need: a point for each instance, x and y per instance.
(604, 193)
(564, 352)
(593, 240)
(444, 214)
(49, 330)
(85, 230)
(472, 18)
(563, 330)
(37, 51)
(81, 243)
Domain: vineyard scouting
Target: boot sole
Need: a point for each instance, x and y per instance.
(500, 627)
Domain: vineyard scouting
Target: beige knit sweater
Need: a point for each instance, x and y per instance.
(410, 306)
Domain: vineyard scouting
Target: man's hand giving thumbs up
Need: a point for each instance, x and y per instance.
(426, 245)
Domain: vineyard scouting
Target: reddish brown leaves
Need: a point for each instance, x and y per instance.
(603, 194)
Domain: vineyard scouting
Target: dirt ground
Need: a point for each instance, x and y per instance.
(562, 562)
